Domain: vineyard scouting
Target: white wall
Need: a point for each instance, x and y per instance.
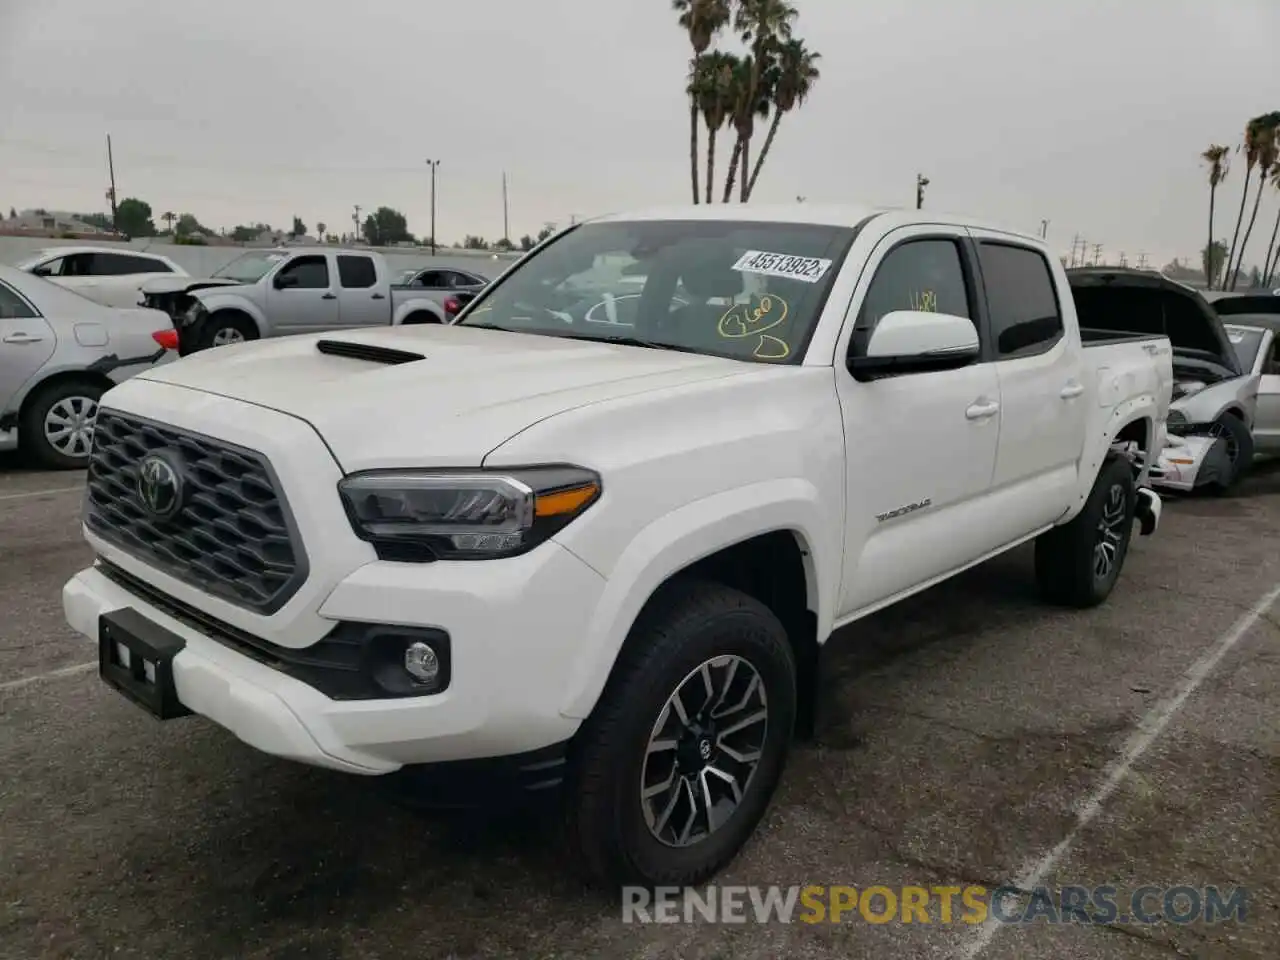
(201, 261)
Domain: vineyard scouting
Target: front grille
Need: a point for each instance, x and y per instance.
(233, 536)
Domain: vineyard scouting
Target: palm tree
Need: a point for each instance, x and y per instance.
(715, 93)
(1217, 158)
(747, 105)
(763, 25)
(797, 73)
(168, 217)
(1269, 264)
(1251, 145)
(702, 19)
(1267, 128)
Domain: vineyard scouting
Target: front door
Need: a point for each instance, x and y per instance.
(921, 447)
(307, 301)
(1266, 423)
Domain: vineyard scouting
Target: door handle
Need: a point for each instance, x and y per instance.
(330, 296)
(22, 338)
(378, 296)
(981, 411)
(1071, 391)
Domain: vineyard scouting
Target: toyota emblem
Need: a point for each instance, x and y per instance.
(160, 486)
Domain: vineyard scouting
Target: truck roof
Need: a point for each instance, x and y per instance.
(842, 215)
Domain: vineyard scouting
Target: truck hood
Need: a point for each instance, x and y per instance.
(432, 395)
(163, 285)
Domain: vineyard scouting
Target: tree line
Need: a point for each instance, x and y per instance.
(772, 76)
(1260, 149)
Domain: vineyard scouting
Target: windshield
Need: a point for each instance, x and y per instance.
(249, 267)
(1245, 341)
(744, 290)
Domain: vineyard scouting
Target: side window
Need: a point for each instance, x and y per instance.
(12, 306)
(136, 264)
(50, 268)
(109, 265)
(431, 280)
(356, 273)
(312, 273)
(78, 265)
(915, 275)
(1025, 316)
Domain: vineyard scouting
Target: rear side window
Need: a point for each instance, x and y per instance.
(135, 264)
(356, 273)
(432, 280)
(1026, 318)
(12, 306)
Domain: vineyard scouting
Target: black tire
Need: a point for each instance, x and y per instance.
(216, 327)
(36, 443)
(1067, 564)
(1239, 450)
(422, 316)
(681, 630)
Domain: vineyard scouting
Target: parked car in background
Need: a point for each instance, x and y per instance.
(1214, 397)
(1253, 323)
(59, 352)
(608, 560)
(442, 279)
(273, 293)
(111, 276)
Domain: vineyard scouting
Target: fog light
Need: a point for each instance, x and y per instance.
(421, 662)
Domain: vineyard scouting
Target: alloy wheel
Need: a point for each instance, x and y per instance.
(1110, 532)
(703, 751)
(227, 335)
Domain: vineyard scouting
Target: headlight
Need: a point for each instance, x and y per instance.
(464, 515)
(1187, 388)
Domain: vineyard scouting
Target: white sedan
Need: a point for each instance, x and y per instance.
(110, 276)
(59, 353)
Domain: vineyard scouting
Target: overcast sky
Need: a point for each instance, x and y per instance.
(1089, 113)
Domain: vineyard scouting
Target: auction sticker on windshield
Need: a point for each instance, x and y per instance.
(806, 269)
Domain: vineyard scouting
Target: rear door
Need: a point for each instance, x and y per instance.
(1043, 399)
(301, 296)
(26, 343)
(362, 300)
(118, 277)
(1266, 424)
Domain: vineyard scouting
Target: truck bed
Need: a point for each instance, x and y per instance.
(1100, 338)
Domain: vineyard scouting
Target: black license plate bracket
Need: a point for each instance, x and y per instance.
(135, 657)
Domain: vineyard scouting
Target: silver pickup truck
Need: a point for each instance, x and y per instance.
(273, 293)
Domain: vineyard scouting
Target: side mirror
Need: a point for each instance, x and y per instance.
(283, 280)
(915, 341)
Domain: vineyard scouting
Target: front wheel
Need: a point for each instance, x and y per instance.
(1239, 442)
(1079, 563)
(679, 760)
(223, 329)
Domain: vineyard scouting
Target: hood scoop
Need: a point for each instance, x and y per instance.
(366, 351)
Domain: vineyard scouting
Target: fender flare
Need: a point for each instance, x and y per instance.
(216, 304)
(417, 305)
(679, 539)
(1142, 409)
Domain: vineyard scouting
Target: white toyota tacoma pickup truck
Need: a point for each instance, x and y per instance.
(544, 551)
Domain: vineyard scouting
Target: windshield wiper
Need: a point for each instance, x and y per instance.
(629, 342)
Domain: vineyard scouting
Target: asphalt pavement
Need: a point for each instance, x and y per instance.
(970, 736)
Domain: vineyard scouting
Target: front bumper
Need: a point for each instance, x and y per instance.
(1188, 462)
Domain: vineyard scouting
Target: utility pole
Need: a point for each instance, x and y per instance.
(111, 172)
(1075, 247)
(433, 164)
(1097, 253)
(1044, 228)
(921, 182)
(1123, 261)
(355, 219)
(1142, 261)
(506, 228)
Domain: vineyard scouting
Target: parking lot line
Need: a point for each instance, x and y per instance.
(39, 493)
(51, 675)
(1144, 735)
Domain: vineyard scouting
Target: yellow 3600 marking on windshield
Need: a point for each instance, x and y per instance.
(744, 320)
(926, 300)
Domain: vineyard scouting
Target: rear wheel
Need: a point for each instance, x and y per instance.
(57, 424)
(678, 762)
(1079, 563)
(421, 316)
(1239, 442)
